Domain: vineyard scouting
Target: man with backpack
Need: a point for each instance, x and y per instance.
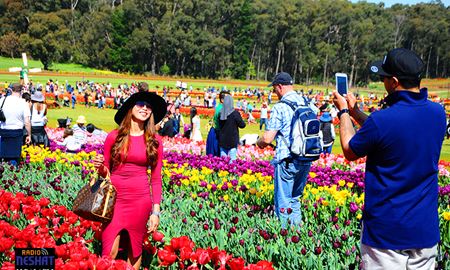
(294, 151)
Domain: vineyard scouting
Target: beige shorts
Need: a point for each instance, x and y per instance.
(407, 259)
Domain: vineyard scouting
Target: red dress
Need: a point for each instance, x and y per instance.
(133, 202)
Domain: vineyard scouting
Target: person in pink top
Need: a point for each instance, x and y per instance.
(129, 151)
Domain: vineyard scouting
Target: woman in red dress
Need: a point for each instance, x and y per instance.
(129, 152)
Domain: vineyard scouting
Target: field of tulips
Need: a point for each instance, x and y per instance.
(216, 215)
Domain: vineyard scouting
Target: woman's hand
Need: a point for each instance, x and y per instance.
(98, 161)
(153, 223)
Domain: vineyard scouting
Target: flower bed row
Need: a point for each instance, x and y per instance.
(229, 206)
(31, 223)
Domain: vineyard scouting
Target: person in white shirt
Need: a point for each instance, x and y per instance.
(79, 130)
(38, 120)
(17, 114)
(70, 142)
(263, 116)
(249, 139)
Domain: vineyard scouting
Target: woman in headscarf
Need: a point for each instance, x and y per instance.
(230, 122)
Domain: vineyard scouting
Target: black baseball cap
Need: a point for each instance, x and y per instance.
(282, 78)
(400, 63)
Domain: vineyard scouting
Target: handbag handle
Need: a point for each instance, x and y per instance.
(107, 178)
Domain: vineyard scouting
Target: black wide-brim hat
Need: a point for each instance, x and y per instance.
(159, 106)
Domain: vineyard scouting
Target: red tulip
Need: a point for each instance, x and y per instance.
(318, 250)
(236, 263)
(8, 266)
(121, 265)
(104, 263)
(179, 242)
(303, 251)
(336, 244)
(223, 258)
(157, 236)
(71, 266)
(265, 265)
(62, 210)
(192, 267)
(202, 256)
(6, 244)
(44, 202)
(167, 256)
(185, 253)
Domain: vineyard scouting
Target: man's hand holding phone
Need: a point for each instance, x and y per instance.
(341, 84)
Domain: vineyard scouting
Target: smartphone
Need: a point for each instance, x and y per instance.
(342, 83)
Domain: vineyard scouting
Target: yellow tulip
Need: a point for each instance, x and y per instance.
(446, 215)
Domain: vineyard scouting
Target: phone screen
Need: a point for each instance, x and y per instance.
(341, 83)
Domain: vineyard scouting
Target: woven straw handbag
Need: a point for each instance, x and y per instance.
(95, 201)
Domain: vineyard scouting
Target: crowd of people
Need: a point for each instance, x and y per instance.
(400, 222)
(402, 143)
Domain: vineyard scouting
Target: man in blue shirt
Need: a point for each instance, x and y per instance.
(290, 174)
(402, 144)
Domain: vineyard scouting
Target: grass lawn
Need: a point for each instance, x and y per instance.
(7, 62)
(104, 119)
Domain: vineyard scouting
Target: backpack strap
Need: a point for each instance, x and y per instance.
(307, 101)
(31, 111)
(3, 102)
(292, 105)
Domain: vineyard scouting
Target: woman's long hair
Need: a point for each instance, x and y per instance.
(39, 106)
(119, 151)
(193, 114)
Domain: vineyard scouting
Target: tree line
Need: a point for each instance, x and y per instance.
(243, 39)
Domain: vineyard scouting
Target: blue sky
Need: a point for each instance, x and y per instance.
(389, 3)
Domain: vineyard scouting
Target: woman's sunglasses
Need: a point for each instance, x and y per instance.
(141, 104)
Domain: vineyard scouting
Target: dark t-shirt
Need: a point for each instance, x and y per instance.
(402, 144)
(168, 129)
(229, 130)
